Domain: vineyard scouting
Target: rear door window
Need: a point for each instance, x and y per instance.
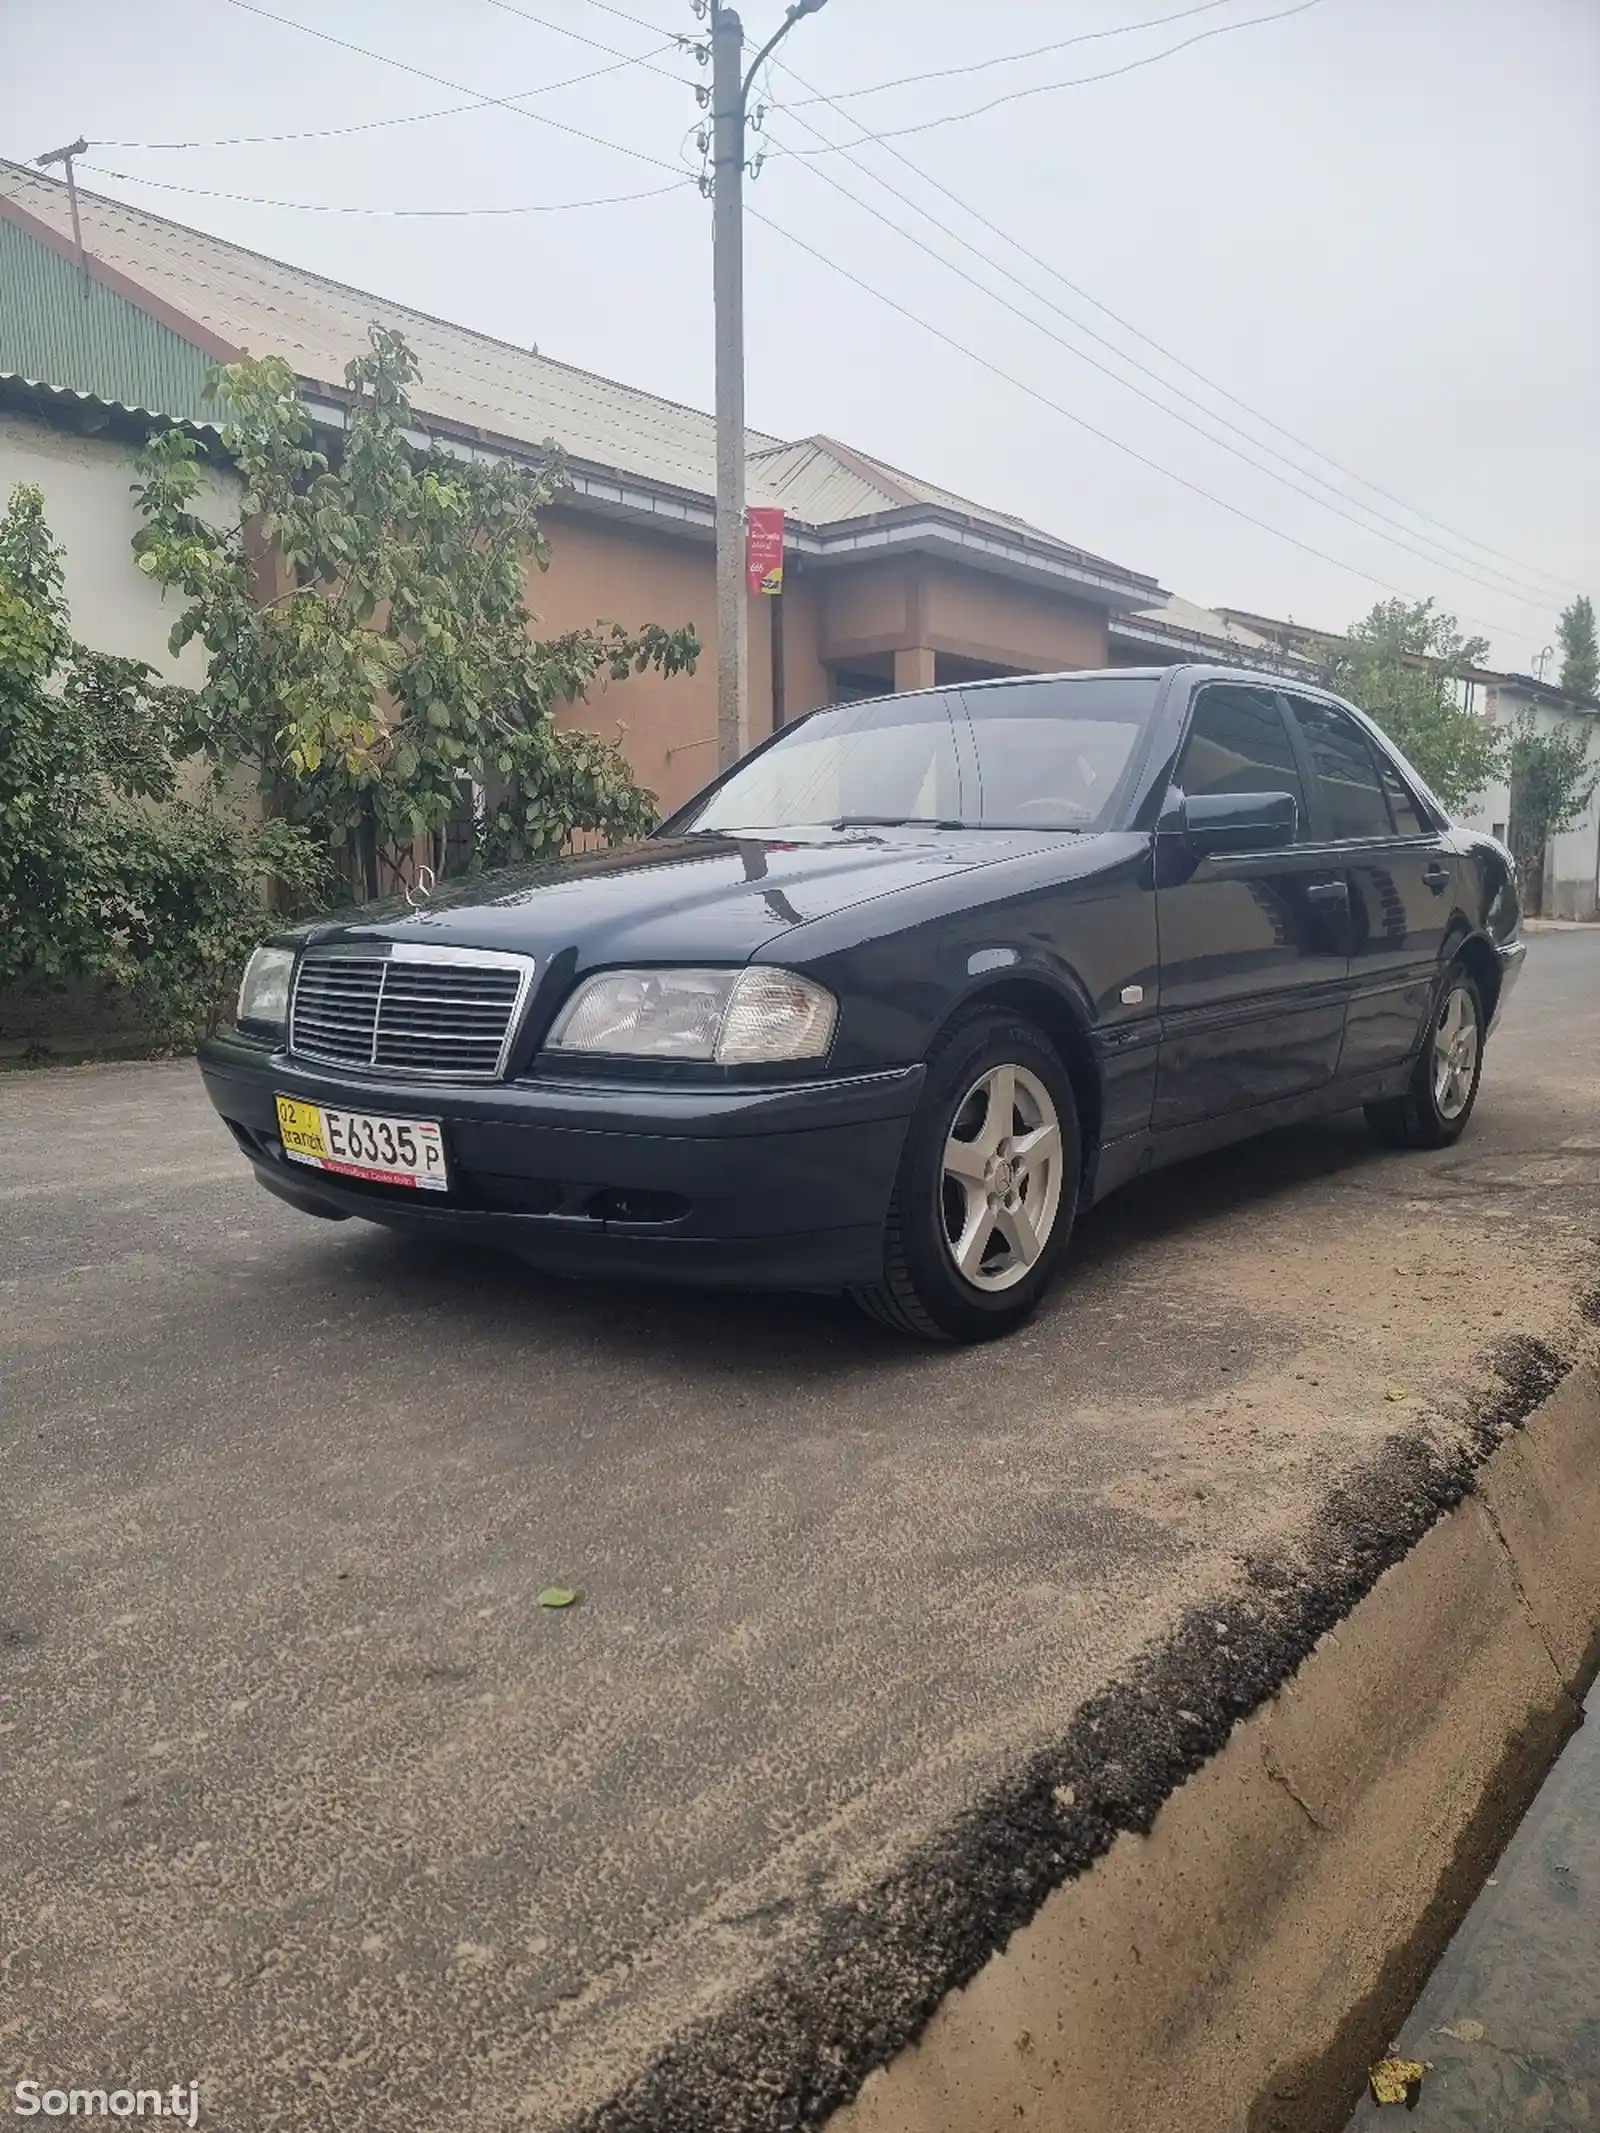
(1346, 773)
(1238, 742)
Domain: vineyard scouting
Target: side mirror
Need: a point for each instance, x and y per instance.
(1240, 821)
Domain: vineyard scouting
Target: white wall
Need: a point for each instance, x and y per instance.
(1573, 861)
(85, 481)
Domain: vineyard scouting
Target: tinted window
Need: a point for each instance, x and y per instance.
(1239, 743)
(1407, 815)
(1054, 754)
(1044, 755)
(1346, 772)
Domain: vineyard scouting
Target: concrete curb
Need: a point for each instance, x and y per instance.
(1236, 1967)
(865, 2026)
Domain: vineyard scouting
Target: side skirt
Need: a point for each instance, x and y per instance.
(1136, 1153)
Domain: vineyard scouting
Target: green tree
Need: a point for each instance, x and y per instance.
(106, 873)
(1403, 664)
(371, 652)
(1553, 779)
(1580, 654)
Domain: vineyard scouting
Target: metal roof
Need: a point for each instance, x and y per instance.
(66, 332)
(1183, 626)
(263, 306)
(812, 483)
(514, 395)
(823, 482)
(1547, 692)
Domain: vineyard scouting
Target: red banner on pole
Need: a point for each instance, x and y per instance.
(763, 549)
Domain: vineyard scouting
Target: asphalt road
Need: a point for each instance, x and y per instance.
(305, 1799)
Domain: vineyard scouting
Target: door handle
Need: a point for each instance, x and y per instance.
(1437, 877)
(1328, 892)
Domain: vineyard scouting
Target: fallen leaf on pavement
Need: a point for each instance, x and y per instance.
(1397, 2081)
(1463, 2032)
(557, 1596)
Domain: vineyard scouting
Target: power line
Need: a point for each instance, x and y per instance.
(410, 118)
(1527, 572)
(622, 15)
(594, 44)
(866, 136)
(1078, 81)
(1104, 436)
(502, 103)
(1010, 59)
(333, 207)
(1436, 560)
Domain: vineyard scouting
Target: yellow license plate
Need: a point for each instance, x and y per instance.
(360, 1144)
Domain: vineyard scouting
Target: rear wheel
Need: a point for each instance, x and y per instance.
(1444, 1083)
(988, 1186)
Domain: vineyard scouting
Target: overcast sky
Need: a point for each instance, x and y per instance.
(1375, 222)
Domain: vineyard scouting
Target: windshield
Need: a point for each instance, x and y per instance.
(1050, 755)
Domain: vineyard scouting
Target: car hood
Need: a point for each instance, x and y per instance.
(702, 899)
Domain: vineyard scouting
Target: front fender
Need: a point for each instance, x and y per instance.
(1087, 939)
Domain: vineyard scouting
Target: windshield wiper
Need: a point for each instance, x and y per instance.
(891, 822)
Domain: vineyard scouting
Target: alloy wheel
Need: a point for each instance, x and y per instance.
(1456, 1040)
(1000, 1188)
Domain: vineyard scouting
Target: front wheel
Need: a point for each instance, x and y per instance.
(1444, 1083)
(987, 1189)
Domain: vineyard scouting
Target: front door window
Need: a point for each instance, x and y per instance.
(1239, 743)
(1347, 776)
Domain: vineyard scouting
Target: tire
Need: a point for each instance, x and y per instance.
(978, 1184)
(1436, 1106)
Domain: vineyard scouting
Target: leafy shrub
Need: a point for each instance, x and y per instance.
(106, 872)
(371, 651)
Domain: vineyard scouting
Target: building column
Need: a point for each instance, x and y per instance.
(913, 667)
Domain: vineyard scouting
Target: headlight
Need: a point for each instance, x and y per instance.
(264, 988)
(733, 1017)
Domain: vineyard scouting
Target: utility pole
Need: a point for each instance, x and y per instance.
(64, 156)
(727, 276)
(730, 97)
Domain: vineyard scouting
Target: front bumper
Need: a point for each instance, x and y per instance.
(769, 1186)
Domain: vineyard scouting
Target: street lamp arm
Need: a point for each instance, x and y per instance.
(801, 7)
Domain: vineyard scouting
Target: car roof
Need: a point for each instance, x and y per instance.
(1193, 669)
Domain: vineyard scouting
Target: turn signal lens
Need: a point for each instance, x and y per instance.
(773, 1014)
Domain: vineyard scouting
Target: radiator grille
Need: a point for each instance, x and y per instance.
(434, 1017)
